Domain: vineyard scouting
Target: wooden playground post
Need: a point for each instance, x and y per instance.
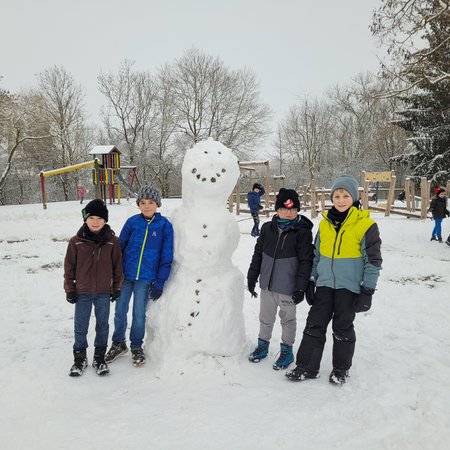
(391, 193)
(425, 196)
(313, 199)
(238, 197)
(408, 193)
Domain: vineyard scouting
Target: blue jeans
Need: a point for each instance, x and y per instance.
(139, 289)
(83, 308)
(437, 230)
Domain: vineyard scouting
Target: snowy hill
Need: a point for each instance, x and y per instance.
(398, 396)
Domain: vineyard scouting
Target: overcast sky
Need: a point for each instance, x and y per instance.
(295, 47)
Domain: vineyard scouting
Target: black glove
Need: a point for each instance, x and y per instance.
(363, 301)
(310, 292)
(447, 213)
(72, 297)
(113, 297)
(251, 288)
(156, 290)
(297, 296)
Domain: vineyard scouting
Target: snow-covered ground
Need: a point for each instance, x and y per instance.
(398, 396)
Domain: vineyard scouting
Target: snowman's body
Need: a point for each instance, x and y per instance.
(201, 308)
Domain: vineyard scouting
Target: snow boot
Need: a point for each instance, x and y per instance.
(439, 239)
(433, 238)
(137, 357)
(338, 377)
(285, 359)
(117, 349)
(80, 363)
(448, 241)
(260, 351)
(99, 363)
(300, 374)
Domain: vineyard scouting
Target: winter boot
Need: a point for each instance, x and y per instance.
(448, 241)
(117, 349)
(300, 374)
(80, 363)
(260, 351)
(433, 238)
(137, 357)
(285, 358)
(439, 239)
(338, 377)
(99, 363)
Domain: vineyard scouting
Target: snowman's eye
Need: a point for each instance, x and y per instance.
(223, 170)
(194, 170)
(206, 151)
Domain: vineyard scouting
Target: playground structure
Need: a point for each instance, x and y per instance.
(106, 174)
(318, 199)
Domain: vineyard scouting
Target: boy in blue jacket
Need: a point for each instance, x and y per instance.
(254, 203)
(147, 246)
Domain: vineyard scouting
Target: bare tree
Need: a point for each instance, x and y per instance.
(63, 106)
(213, 101)
(20, 125)
(306, 135)
(131, 101)
(401, 25)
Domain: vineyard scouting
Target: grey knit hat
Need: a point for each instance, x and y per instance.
(348, 183)
(149, 193)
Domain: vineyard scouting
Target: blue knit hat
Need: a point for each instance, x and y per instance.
(348, 183)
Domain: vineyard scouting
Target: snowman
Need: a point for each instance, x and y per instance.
(200, 311)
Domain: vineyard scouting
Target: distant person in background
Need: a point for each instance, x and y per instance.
(401, 197)
(254, 203)
(438, 208)
(81, 193)
(93, 276)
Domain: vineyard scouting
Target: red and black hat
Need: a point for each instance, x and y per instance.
(287, 198)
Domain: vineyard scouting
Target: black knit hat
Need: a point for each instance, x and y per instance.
(256, 186)
(97, 208)
(287, 198)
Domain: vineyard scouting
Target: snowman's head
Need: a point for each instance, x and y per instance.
(209, 170)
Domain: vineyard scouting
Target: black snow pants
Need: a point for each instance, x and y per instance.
(329, 304)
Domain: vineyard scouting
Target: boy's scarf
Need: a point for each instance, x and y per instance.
(286, 224)
(103, 236)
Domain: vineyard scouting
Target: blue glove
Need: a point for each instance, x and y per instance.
(156, 290)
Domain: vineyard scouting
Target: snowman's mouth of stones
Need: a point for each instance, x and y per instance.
(212, 179)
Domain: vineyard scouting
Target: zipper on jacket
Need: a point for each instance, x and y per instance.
(340, 243)
(142, 249)
(273, 263)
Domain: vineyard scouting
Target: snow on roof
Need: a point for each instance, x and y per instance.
(103, 149)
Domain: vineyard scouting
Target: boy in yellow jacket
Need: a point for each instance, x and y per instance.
(346, 266)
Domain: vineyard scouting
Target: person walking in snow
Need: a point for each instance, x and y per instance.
(346, 267)
(93, 276)
(81, 193)
(147, 245)
(438, 208)
(282, 260)
(254, 203)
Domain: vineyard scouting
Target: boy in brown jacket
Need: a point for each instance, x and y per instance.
(93, 276)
